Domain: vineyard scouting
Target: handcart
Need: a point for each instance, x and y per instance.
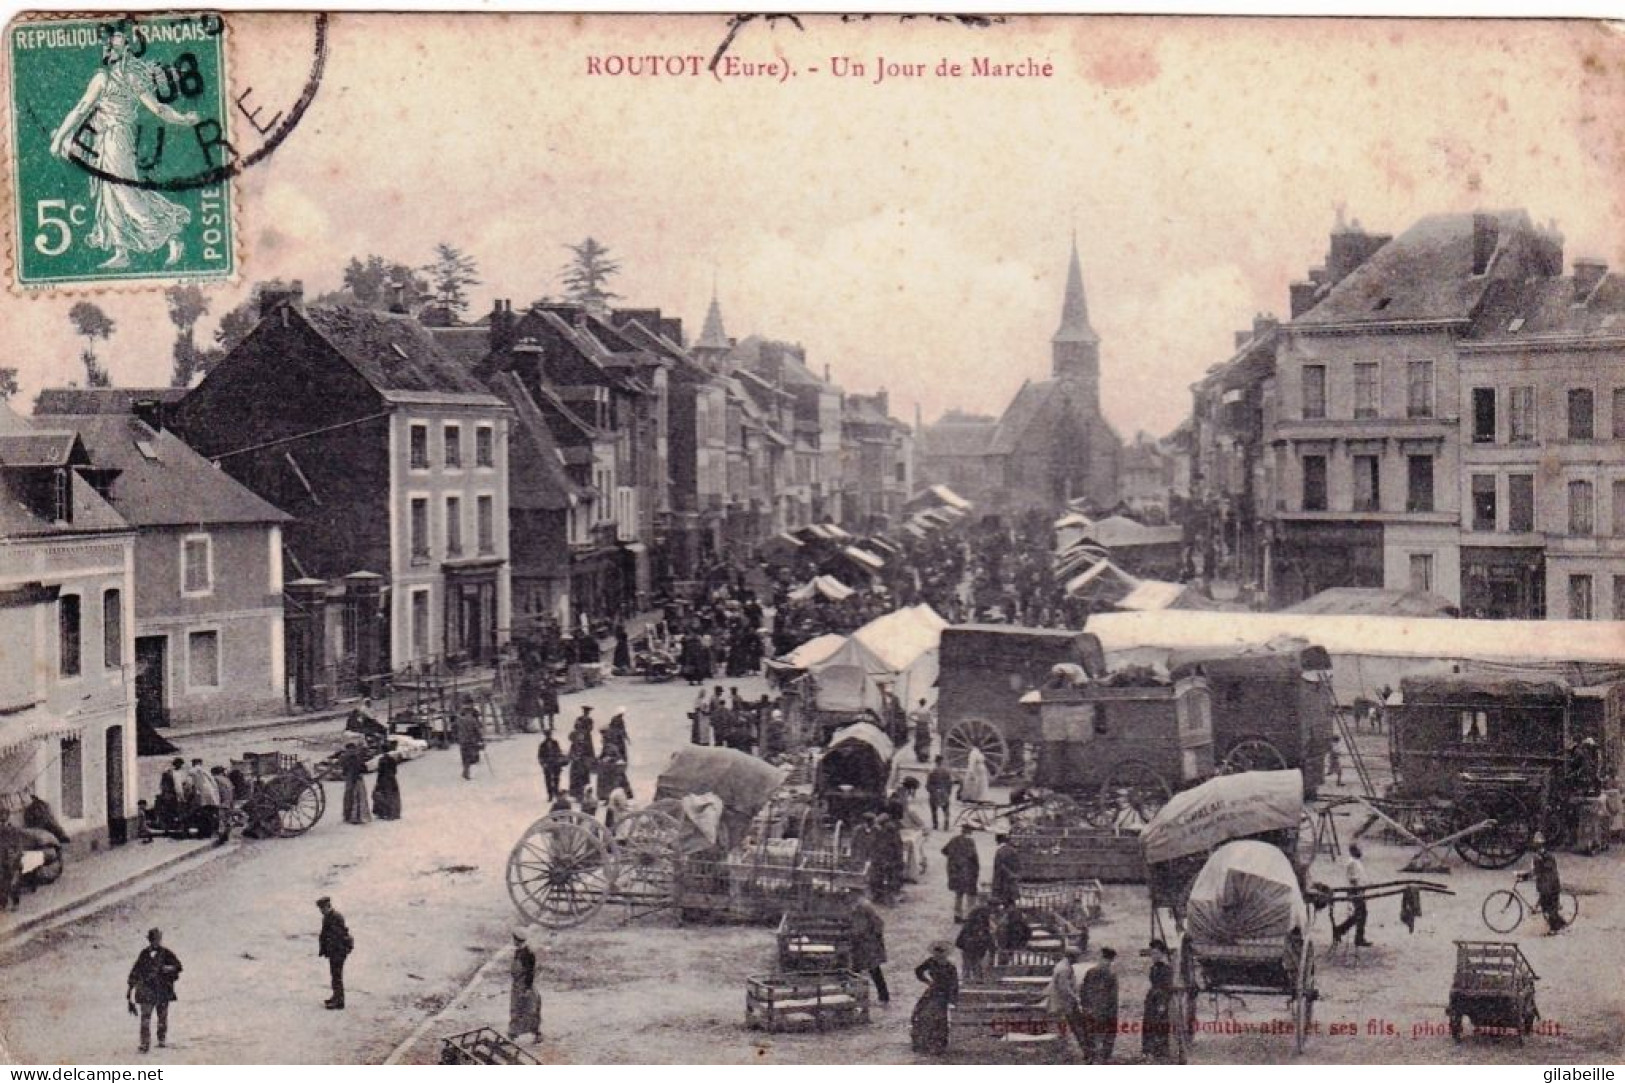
(1494, 987)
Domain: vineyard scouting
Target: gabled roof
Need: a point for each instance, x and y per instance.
(1426, 273)
(593, 351)
(957, 437)
(1019, 416)
(101, 400)
(392, 353)
(161, 481)
(91, 514)
(537, 479)
(44, 447)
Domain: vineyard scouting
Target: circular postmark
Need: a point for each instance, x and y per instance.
(125, 135)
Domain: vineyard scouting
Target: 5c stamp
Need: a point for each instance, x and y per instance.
(119, 149)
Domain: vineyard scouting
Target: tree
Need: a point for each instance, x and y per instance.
(8, 384)
(92, 324)
(187, 305)
(588, 272)
(370, 282)
(450, 275)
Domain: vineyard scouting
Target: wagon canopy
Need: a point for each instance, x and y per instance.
(899, 649)
(859, 756)
(810, 653)
(1246, 891)
(743, 782)
(1469, 689)
(1221, 809)
(1277, 659)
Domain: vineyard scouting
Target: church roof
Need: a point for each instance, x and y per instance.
(1074, 308)
(957, 437)
(1020, 415)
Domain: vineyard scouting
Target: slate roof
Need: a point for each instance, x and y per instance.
(1548, 306)
(467, 345)
(537, 479)
(1426, 273)
(955, 437)
(101, 400)
(173, 486)
(41, 448)
(1020, 415)
(392, 352)
(91, 514)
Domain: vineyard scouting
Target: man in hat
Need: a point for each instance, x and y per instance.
(524, 1003)
(976, 939)
(1006, 871)
(868, 930)
(336, 944)
(939, 789)
(204, 798)
(470, 738)
(1097, 998)
(1154, 1020)
(1063, 995)
(166, 810)
(1548, 885)
(615, 740)
(151, 985)
(964, 870)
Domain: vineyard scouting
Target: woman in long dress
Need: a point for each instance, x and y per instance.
(928, 1026)
(524, 1002)
(127, 218)
(386, 791)
(357, 810)
(975, 783)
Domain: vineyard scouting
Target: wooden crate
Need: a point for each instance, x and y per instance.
(1079, 854)
(482, 1046)
(781, 1003)
(1005, 1020)
(814, 943)
(1078, 904)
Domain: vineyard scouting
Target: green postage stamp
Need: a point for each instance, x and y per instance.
(120, 163)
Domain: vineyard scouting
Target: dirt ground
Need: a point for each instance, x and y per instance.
(426, 900)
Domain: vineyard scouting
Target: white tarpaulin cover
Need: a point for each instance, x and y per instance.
(899, 649)
(812, 652)
(1246, 891)
(826, 585)
(1221, 809)
(1367, 652)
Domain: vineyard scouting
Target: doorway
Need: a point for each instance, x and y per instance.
(151, 680)
(116, 833)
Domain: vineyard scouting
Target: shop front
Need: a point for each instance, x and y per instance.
(1503, 583)
(1309, 557)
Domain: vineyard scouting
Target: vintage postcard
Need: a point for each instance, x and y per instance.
(801, 539)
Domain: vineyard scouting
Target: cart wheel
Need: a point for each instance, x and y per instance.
(1303, 995)
(1455, 1026)
(1138, 784)
(646, 856)
(1503, 844)
(1253, 754)
(1502, 910)
(975, 733)
(301, 809)
(560, 871)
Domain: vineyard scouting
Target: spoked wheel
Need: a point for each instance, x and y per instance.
(1133, 791)
(300, 804)
(1568, 906)
(1502, 844)
(1502, 911)
(979, 816)
(560, 871)
(646, 857)
(1253, 754)
(1303, 995)
(975, 733)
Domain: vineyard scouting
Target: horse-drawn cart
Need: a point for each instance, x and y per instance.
(1222, 861)
(285, 796)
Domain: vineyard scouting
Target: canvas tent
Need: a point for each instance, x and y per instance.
(1106, 584)
(811, 653)
(1374, 602)
(824, 586)
(939, 496)
(1369, 653)
(899, 650)
(1247, 891)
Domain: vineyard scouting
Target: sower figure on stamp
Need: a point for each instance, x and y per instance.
(128, 218)
(336, 945)
(151, 985)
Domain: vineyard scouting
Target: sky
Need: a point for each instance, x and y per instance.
(911, 234)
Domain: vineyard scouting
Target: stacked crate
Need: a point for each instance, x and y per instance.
(1079, 854)
(781, 1003)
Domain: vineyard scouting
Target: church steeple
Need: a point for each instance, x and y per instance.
(713, 339)
(1074, 309)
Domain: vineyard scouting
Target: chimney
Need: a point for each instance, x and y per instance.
(883, 400)
(826, 372)
(1588, 271)
(397, 297)
(1263, 324)
(1242, 338)
(502, 325)
(1302, 296)
(149, 412)
(1486, 234)
(272, 296)
(1351, 247)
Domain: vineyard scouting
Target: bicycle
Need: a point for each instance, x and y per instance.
(1504, 910)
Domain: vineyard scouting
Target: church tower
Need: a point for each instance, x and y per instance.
(713, 346)
(1075, 348)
